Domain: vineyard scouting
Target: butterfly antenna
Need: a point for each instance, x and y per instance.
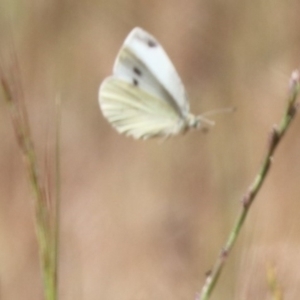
(219, 111)
(206, 121)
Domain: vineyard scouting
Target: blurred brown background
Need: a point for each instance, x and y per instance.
(146, 220)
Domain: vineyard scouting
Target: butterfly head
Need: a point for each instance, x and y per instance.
(199, 122)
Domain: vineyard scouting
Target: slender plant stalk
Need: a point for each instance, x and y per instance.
(14, 98)
(276, 136)
(57, 196)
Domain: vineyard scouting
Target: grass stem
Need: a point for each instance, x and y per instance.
(276, 135)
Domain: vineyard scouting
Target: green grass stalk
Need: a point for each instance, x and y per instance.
(277, 133)
(44, 229)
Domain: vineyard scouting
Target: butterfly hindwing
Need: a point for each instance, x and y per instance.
(135, 112)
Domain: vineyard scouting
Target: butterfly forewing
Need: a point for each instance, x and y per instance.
(130, 69)
(136, 112)
(148, 51)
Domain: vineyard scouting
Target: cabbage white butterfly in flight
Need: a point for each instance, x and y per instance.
(145, 98)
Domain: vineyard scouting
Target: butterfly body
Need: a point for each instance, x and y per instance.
(145, 98)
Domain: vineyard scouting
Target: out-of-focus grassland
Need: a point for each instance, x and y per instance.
(146, 220)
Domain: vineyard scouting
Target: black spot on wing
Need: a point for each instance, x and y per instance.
(135, 82)
(137, 71)
(151, 43)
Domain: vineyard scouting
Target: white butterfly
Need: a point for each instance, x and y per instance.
(145, 97)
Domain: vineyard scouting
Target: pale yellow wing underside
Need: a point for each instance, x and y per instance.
(137, 113)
